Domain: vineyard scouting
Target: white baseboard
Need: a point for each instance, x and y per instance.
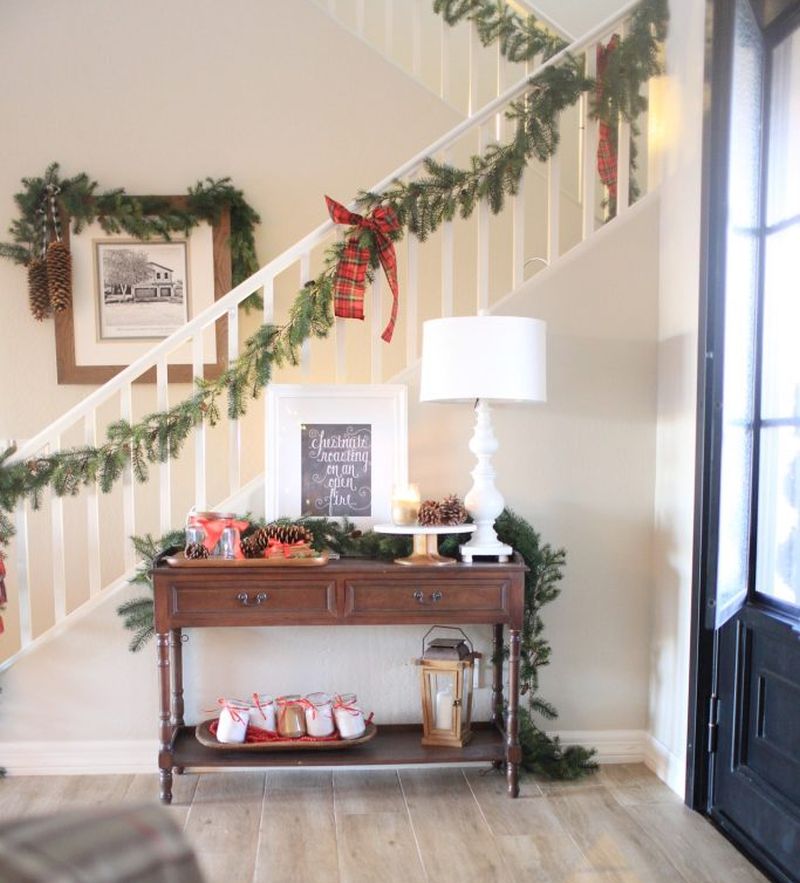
(669, 767)
(139, 756)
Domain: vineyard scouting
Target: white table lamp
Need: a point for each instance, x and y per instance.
(483, 359)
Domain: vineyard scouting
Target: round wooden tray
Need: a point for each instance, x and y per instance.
(207, 738)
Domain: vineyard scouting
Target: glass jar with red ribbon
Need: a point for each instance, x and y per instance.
(349, 717)
(234, 717)
(262, 713)
(219, 532)
(319, 715)
(291, 716)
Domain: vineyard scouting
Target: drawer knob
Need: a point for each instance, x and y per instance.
(419, 596)
(247, 601)
(436, 596)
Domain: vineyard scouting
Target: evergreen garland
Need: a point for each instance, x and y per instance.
(141, 217)
(541, 753)
(520, 38)
(422, 206)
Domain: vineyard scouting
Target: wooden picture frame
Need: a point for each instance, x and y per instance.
(69, 370)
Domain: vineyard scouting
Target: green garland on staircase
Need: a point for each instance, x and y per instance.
(541, 753)
(422, 205)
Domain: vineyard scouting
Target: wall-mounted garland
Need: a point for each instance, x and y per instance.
(36, 234)
(420, 206)
(541, 753)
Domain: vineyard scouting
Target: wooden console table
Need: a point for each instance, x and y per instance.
(345, 592)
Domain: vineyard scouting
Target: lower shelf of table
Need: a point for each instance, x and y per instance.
(393, 745)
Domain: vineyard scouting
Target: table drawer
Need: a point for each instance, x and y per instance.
(478, 601)
(253, 601)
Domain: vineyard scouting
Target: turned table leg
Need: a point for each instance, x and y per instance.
(176, 648)
(497, 681)
(165, 726)
(513, 750)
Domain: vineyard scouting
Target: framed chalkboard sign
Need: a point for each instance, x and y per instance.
(335, 451)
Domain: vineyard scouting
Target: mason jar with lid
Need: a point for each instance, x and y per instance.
(233, 720)
(349, 717)
(319, 715)
(262, 712)
(291, 717)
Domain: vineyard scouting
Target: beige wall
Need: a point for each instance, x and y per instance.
(581, 468)
(677, 378)
(153, 96)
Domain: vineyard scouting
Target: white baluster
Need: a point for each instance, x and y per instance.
(444, 53)
(388, 26)
(623, 154)
(164, 469)
(269, 300)
(416, 39)
(500, 115)
(22, 546)
(448, 268)
(93, 514)
(128, 481)
(200, 493)
(234, 426)
(483, 239)
(553, 207)
(518, 241)
(589, 149)
(474, 55)
(305, 349)
(412, 297)
(340, 331)
(57, 548)
(376, 360)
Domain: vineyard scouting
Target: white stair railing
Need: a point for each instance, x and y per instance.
(450, 61)
(65, 553)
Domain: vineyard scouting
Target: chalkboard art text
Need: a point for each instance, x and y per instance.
(336, 469)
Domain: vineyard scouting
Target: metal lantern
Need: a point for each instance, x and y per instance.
(446, 670)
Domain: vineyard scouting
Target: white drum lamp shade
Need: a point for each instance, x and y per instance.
(495, 358)
(488, 359)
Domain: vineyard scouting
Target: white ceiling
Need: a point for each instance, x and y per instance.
(575, 17)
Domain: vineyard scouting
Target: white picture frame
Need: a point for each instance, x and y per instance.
(317, 438)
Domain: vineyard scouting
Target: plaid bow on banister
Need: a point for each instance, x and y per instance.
(607, 140)
(351, 274)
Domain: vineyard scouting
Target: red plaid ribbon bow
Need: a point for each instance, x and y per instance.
(348, 286)
(607, 142)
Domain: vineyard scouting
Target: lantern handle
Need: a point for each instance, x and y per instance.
(452, 628)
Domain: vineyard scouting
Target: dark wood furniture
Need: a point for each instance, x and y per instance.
(345, 592)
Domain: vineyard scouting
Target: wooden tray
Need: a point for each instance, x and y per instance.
(180, 560)
(207, 738)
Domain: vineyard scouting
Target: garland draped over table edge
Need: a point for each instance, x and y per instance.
(421, 205)
(540, 753)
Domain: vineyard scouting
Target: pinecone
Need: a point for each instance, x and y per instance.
(195, 551)
(59, 275)
(289, 533)
(253, 546)
(452, 511)
(38, 292)
(429, 513)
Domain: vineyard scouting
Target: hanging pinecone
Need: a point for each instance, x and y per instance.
(253, 546)
(196, 551)
(289, 533)
(59, 275)
(429, 513)
(38, 292)
(452, 511)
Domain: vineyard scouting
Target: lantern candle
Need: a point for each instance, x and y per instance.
(405, 505)
(444, 708)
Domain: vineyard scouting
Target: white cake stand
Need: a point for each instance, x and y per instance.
(426, 541)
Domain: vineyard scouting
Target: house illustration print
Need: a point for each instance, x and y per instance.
(142, 288)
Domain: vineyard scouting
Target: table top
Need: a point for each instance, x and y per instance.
(424, 529)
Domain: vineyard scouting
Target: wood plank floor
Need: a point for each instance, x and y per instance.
(621, 825)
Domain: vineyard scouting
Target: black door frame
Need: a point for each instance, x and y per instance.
(716, 142)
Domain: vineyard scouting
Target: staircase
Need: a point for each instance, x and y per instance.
(73, 552)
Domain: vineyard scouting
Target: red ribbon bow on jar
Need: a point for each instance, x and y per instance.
(233, 710)
(351, 274)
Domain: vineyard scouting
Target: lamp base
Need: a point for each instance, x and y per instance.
(499, 550)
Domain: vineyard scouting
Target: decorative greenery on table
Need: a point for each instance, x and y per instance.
(541, 753)
(421, 205)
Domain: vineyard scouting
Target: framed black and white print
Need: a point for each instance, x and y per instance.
(335, 451)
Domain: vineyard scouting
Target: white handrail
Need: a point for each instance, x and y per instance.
(278, 264)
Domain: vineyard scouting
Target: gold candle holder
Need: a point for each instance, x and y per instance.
(405, 505)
